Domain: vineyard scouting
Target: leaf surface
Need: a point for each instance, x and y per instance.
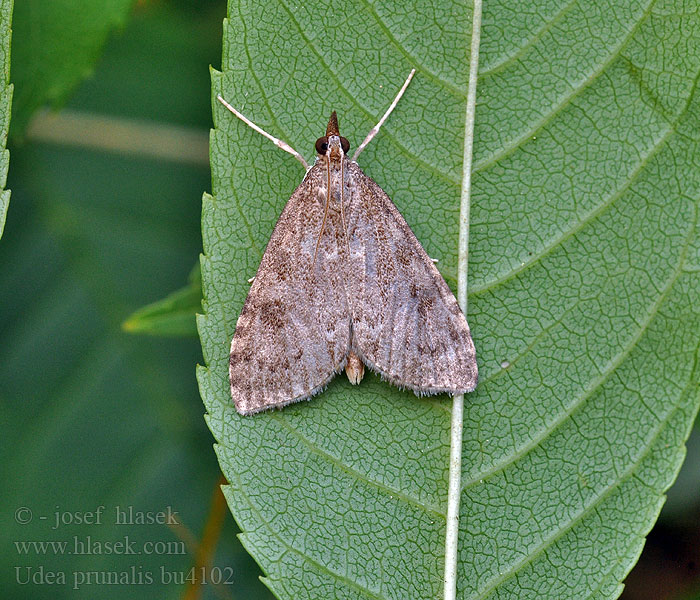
(584, 291)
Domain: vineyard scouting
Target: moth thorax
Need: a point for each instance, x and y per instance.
(336, 185)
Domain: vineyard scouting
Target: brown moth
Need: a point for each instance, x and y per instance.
(345, 283)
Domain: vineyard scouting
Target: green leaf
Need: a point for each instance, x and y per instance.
(56, 45)
(174, 315)
(584, 291)
(5, 104)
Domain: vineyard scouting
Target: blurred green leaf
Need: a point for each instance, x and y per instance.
(90, 416)
(584, 279)
(5, 104)
(56, 45)
(174, 315)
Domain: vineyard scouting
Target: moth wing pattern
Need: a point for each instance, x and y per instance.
(293, 333)
(407, 324)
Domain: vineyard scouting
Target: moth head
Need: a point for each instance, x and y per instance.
(327, 141)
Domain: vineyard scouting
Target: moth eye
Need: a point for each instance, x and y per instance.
(345, 145)
(322, 145)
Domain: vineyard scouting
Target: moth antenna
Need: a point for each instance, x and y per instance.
(375, 129)
(276, 141)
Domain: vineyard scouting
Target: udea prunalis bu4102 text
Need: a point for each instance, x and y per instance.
(344, 283)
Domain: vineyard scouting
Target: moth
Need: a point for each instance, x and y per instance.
(345, 283)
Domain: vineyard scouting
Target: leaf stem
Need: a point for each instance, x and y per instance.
(453, 496)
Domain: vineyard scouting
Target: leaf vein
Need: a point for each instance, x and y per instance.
(514, 144)
(386, 132)
(294, 549)
(412, 59)
(500, 65)
(406, 498)
(615, 484)
(595, 383)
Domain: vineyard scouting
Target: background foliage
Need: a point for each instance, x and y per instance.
(57, 45)
(92, 415)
